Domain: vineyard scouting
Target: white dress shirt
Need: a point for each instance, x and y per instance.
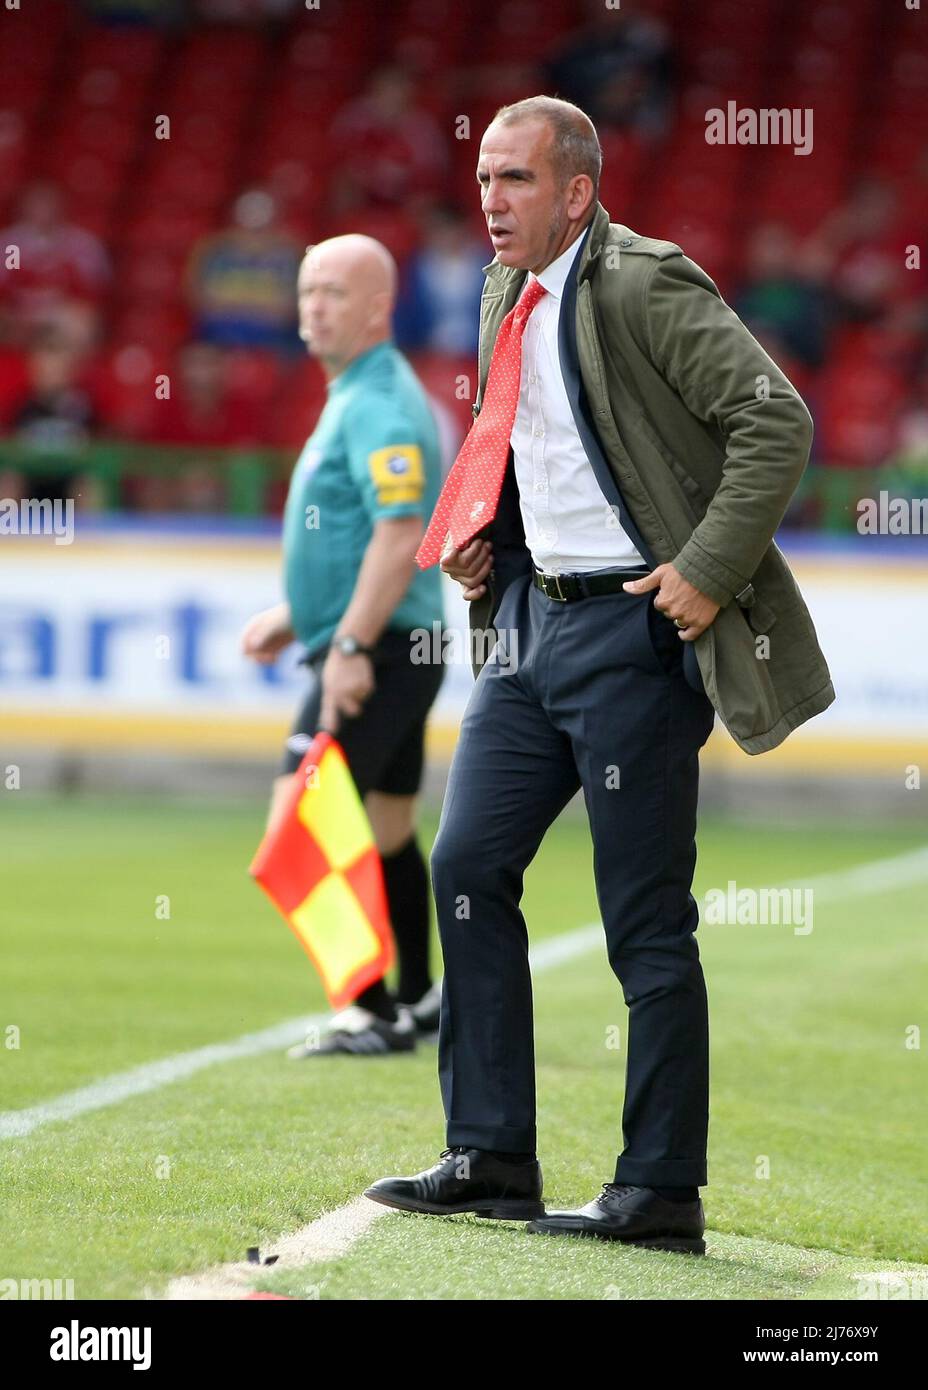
(569, 525)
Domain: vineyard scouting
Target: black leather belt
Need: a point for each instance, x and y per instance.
(566, 588)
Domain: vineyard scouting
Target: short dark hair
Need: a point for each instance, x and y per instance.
(575, 149)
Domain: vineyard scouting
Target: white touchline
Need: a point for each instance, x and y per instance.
(151, 1076)
(335, 1232)
(327, 1238)
(881, 875)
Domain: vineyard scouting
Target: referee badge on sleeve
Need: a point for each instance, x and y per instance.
(398, 474)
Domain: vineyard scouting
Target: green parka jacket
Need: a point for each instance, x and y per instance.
(707, 441)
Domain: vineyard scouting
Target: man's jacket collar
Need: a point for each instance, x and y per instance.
(502, 275)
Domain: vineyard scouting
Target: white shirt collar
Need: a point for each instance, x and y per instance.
(554, 276)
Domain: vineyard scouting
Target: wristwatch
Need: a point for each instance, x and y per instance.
(350, 646)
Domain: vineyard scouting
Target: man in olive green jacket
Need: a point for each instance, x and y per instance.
(638, 450)
(707, 440)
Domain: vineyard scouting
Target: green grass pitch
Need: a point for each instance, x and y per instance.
(810, 1071)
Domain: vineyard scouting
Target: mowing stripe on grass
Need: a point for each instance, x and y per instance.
(881, 875)
(151, 1076)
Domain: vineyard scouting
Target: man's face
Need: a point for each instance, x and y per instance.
(334, 305)
(525, 209)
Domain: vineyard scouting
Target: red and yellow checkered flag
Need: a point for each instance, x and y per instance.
(320, 867)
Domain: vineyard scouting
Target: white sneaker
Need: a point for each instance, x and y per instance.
(362, 1033)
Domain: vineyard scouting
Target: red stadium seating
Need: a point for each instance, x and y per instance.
(255, 104)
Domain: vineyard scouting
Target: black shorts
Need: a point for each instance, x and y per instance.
(384, 744)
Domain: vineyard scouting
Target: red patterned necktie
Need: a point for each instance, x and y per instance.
(470, 494)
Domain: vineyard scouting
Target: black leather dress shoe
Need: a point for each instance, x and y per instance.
(634, 1215)
(466, 1180)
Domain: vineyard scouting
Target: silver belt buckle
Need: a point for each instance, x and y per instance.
(546, 582)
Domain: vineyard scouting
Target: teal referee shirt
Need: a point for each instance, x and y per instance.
(374, 453)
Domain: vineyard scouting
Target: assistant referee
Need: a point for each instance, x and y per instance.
(361, 493)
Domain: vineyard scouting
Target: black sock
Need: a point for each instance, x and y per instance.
(407, 883)
(511, 1158)
(678, 1194)
(377, 999)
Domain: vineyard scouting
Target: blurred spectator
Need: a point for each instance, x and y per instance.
(56, 411)
(55, 414)
(389, 149)
(241, 281)
(439, 304)
(865, 247)
(783, 295)
(618, 68)
(63, 269)
(202, 409)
